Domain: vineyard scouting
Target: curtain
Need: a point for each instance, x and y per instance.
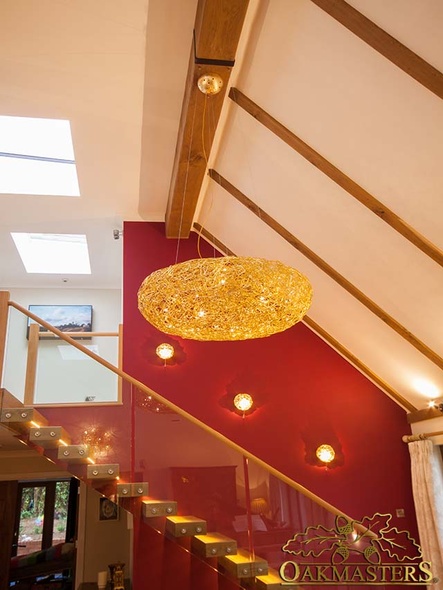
(427, 488)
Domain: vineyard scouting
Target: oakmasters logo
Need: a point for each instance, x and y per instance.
(367, 552)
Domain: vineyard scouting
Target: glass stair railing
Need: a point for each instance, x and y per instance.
(207, 515)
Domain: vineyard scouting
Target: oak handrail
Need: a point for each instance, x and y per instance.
(180, 411)
(43, 335)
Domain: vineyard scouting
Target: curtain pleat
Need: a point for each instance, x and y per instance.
(427, 487)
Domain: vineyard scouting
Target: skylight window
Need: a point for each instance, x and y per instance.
(53, 253)
(37, 157)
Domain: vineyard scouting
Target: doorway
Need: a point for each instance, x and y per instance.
(45, 515)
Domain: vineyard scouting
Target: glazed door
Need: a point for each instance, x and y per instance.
(41, 516)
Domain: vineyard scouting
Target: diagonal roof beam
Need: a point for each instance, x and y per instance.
(326, 268)
(365, 370)
(202, 231)
(385, 44)
(217, 30)
(355, 190)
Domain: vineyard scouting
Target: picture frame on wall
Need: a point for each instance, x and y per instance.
(66, 318)
(108, 510)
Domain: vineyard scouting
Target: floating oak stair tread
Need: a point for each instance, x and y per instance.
(103, 471)
(270, 581)
(132, 490)
(185, 526)
(155, 508)
(213, 545)
(75, 454)
(49, 437)
(22, 419)
(244, 565)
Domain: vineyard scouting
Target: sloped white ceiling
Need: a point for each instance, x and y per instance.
(378, 126)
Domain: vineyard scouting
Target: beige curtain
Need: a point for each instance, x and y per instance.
(427, 487)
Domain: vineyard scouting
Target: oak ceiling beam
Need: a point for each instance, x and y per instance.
(344, 352)
(385, 44)
(327, 269)
(218, 25)
(355, 190)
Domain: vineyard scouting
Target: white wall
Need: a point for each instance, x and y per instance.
(101, 542)
(60, 380)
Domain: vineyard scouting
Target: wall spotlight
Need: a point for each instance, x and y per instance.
(165, 351)
(325, 453)
(243, 402)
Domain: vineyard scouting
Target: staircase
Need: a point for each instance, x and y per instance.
(237, 567)
(206, 514)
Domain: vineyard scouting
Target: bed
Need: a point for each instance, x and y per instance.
(54, 560)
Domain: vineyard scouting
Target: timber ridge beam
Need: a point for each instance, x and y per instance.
(217, 30)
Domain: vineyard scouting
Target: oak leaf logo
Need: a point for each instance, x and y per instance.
(369, 538)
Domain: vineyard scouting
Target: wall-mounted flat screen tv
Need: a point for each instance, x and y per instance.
(66, 318)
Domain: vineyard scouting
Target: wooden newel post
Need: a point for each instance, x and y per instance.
(4, 300)
(31, 365)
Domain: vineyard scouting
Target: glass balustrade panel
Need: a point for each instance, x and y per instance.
(211, 481)
(271, 520)
(14, 369)
(192, 479)
(67, 375)
(280, 515)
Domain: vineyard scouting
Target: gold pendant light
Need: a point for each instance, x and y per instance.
(228, 298)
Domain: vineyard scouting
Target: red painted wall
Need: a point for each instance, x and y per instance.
(307, 393)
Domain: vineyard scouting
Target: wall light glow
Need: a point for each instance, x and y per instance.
(426, 388)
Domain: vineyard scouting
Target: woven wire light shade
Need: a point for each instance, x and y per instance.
(229, 298)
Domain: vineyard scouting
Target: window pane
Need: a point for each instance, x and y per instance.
(49, 138)
(60, 512)
(36, 177)
(31, 519)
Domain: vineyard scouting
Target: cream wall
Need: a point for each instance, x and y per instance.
(61, 380)
(101, 543)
